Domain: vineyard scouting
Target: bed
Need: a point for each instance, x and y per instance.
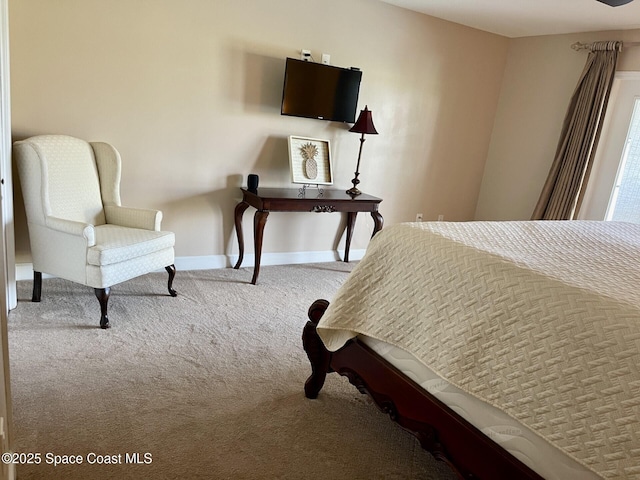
(510, 349)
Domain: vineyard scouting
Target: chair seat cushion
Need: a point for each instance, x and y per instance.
(115, 244)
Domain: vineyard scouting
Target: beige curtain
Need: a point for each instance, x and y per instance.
(563, 190)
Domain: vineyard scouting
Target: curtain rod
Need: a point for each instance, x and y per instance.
(587, 46)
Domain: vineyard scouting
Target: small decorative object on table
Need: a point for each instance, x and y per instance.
(363, 125)
(302, 191)
(310, 161)
(252, 182)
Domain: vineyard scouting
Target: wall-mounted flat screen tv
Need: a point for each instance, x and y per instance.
(316, 90)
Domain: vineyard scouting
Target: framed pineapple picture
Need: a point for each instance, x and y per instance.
(310, 161)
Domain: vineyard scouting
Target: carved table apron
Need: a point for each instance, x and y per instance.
(266, 200)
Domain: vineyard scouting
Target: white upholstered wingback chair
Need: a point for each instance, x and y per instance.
(78, 229)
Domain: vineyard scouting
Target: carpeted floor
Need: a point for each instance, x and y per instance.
(206, 385)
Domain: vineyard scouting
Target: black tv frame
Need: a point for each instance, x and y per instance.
(320, 91)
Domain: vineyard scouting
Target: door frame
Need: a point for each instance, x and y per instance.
(8, 296)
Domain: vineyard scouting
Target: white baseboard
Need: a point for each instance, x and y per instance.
(291, 258)
(24, 271)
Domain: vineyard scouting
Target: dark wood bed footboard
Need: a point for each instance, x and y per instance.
(450, 438)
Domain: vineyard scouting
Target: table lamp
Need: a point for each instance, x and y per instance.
(363, 125)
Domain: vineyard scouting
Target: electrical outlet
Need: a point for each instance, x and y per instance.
(440, 218)
(326, 58)
(305, 55)
(418, 217)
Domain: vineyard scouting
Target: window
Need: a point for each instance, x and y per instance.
(625, 199)
(613, 190)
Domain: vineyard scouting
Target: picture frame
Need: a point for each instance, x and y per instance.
(310, 161)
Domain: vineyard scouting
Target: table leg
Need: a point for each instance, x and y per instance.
(259, 220)
(351, 222)
(378, 221)
(240, 208)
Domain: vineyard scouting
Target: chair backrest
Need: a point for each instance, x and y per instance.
(60, 178)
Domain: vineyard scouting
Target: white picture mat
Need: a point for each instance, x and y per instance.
(297, 160)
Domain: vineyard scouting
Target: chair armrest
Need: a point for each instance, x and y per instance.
(77, 229)
(144, 218)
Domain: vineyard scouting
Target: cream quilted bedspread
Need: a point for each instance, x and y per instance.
(540, 319)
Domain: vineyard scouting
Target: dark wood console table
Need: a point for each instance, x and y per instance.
(267, 200)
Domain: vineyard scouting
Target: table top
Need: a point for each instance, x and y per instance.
(311, 194)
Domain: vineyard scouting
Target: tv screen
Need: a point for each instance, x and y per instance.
(316, 90)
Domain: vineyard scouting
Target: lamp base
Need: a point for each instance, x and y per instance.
(354, 190)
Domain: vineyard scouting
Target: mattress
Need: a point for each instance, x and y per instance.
(517, 439)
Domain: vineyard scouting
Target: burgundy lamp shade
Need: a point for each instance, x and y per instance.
(364, 124)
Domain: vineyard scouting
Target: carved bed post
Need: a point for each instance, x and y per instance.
(319, 356)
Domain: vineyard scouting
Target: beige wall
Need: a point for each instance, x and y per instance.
(189, 92)
(540, 76)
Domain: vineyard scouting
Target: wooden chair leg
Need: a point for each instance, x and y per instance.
(171, 270)
(37, 286)
(102, 294)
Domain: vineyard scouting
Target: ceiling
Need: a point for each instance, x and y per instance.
(524, 18)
